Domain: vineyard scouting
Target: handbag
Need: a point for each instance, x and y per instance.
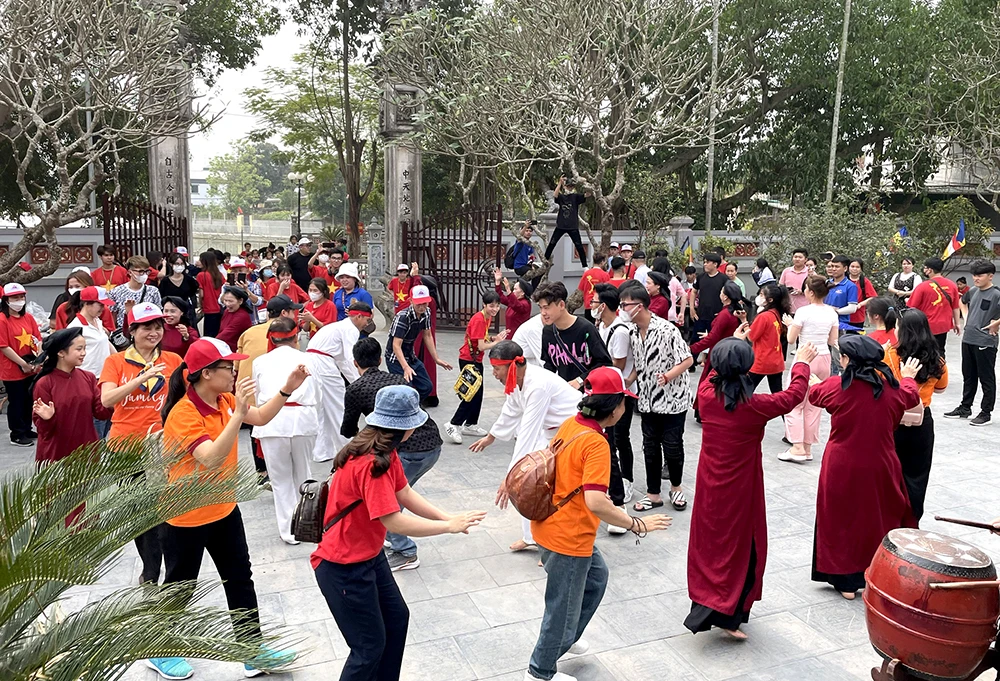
(531, 482)
(119, 337)
(468, 383)
(914, 416)
(307, 521)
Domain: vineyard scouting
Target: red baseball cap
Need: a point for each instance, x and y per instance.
(142, 313)
(205, 351)
(95, 294)
(606, 381)
(420, 294)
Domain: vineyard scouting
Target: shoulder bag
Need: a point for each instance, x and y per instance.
(307, 521)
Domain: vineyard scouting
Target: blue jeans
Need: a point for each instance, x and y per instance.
(421, 381)
(573, 590)
(415, 464)
(102, 428)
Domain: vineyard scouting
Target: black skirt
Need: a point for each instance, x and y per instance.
(848, 583)
(915, 448)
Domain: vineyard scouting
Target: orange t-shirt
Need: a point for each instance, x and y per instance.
(928, 388)
(138, 413)
(583, 463)
(190, 423)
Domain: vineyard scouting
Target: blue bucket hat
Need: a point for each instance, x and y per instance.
(397, 407)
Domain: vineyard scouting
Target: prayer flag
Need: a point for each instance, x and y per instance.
(956, 242)
(688, 252)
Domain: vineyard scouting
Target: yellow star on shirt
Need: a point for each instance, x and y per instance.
(401, 296)
(108, 285)
(333, 289)
(25, 339)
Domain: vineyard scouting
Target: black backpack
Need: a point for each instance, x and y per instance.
(508, 257)
(307, 521)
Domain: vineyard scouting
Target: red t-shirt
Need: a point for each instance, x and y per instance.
(617, 283)
(326, 313)
(883, 337)
(21, 335)
(116, 277)
(294, 291)
(590, 279)
(868, 292)
(931, 298)
(322, 272)
(359, 535)
(476, 331)
(765, 334)
(210, 301)
(401, 291)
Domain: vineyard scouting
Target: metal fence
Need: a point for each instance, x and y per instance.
(138, 227)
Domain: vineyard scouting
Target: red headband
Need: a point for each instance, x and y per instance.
(511, 364)
(359, 313)
(271, 337)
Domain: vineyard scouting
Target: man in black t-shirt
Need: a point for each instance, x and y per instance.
(299, 264)
(707, 287)
(571, 346)
(568, 220)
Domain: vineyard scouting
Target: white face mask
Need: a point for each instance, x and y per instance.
(16, 305)
(324, 258)
(315, 296)
(73, 289)
(179, 269)
(624, 315)
(141, 278)
(760, 301)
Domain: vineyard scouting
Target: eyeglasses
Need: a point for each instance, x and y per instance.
(628, 304)
(225, 367)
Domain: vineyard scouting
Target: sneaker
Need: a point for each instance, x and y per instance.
(528, 676)
(629, 490)
(400, 561)
(613, 529)
(579, 648)
(23, 442)
(982, 420)
(32, 435)
(290, 540)
(473, 430)
(794, 458)
(269, 660)
(453, 433)
(170, 667)
(959, 413)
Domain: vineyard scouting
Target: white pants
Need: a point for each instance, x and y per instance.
(287, 461)
(331, 417)
(525, 523)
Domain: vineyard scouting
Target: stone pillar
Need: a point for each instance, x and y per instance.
(170, 175)
(376, 257)
(403, 164)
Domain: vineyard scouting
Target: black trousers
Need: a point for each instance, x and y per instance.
(148, 545)
(226, 542)
(211, 324)
(978, 368)
(468, 412)
(574, 234)
(703, 618)
(773, 381)
(371, 614)
(623, 439)
(942, 342)
(663, 438)
(616, 486)
(258, 461)
(18, 408)
(915, 449)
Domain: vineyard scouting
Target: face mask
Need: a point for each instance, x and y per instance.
(141, 278)
(624, 315)
(315, 296)
(268, 273)
(324, 258)
(16, 305)
(73, 289)
(759, 301)
(179, 269)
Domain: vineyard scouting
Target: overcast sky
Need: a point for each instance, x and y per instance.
(227, 97)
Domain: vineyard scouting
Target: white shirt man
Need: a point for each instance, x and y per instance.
(529, 337)
(290, 437)
(331, 360)
(532, 413)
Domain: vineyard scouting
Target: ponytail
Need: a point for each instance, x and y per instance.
(73, 307)
(177, 388)
(883, 307)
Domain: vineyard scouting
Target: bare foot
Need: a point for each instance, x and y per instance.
(849, 595)
(540, 564)
(521, 545)
(736, 634)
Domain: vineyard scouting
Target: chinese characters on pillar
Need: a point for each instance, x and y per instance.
(170, 185)
(405, 208)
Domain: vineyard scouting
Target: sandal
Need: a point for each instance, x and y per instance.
(646, 504)
(678, 501)
(521, 545)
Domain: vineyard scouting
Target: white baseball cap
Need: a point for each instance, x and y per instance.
(14, 289)
(144, 312)
(304, 241)
(614, 244)
(420, 294)
(403, 266)
(237, 262)
(181, 250)
(626, 247)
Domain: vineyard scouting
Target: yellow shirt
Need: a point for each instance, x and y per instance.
(252, 342)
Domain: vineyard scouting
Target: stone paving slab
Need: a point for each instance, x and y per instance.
(475, 607)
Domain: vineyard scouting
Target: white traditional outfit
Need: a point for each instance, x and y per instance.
(289, 438)
(533, 413)
(331, 360)
(529, 337)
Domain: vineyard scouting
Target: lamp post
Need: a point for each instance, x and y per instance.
(298, 179)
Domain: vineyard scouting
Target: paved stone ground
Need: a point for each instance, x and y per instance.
(475, 608)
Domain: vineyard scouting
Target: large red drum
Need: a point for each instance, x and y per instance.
(936, 633)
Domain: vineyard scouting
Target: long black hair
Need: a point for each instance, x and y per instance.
(178, 386)
(374, 440)
(737, 303)
(915, 340)
(56, 343)
(861, 278)
(885, 308)
(776, 298)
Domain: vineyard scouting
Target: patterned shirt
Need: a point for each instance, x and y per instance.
(360, 399)
(661, 350)
(407, 326)
(122, 294)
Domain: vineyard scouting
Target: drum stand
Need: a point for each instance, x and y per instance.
(893, 670)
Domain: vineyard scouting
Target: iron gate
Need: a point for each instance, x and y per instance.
(460, 249)
(138, 227)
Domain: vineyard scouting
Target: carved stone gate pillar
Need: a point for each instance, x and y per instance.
(403, 189)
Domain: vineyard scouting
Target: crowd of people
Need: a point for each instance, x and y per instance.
(199, 349)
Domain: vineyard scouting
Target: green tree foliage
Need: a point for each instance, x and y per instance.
(43, 559)
(236, 177)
